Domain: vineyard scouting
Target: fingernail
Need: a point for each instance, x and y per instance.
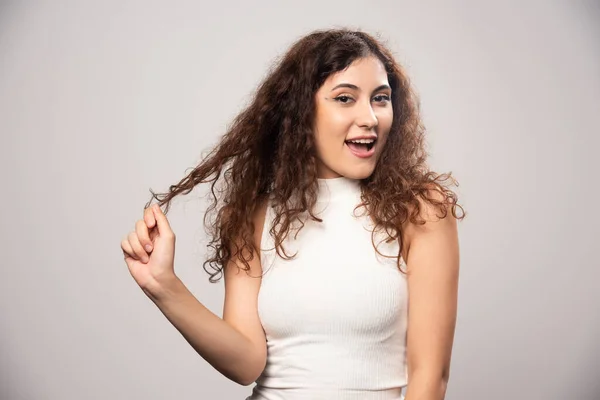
(148, 247)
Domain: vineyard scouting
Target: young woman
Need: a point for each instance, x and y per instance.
(338, 245)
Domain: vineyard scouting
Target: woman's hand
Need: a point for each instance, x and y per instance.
(150, 250)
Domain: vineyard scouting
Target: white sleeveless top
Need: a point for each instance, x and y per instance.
(335, 316)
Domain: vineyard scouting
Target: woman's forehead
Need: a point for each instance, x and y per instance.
(363, 73)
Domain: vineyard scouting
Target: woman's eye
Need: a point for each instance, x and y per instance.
(381, 98)
(343, 99)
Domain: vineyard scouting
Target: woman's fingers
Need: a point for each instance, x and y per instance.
(137, 247)
(139, 243)
(149, 217)
(164, 228)
(143, 235)
(127, 250)
(153, 230)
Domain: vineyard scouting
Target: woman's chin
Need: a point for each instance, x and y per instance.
(358, 173)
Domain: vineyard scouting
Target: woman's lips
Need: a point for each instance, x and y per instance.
(360, 151)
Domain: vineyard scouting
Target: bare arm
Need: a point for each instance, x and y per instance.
(219, 343)
(433, 265)
(235, 345)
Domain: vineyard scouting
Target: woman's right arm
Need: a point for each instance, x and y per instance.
(234, 345)
(230, 351)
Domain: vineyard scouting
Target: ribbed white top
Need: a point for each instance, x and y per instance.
(335, 316)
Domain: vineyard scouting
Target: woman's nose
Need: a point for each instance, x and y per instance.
(366, 117)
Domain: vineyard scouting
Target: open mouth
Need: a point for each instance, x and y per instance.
(361, 147)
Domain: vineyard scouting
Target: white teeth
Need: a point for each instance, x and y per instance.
(367, 141)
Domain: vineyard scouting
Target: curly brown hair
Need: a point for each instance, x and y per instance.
(269, 152)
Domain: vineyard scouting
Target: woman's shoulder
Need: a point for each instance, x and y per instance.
(432, 207)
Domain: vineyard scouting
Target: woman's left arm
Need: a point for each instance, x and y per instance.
(432, 265)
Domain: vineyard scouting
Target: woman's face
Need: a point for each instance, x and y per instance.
(352, 104)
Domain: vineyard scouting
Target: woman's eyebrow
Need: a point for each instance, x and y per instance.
(351, 86)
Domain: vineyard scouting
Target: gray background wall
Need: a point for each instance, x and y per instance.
(100, 101)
